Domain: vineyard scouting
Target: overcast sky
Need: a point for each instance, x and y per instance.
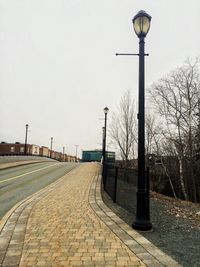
(58, 68)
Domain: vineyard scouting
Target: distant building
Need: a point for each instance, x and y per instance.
(18, 149)
(96, 155)
(58, 156)
(34, 150)
(13, 148)
(44, 151)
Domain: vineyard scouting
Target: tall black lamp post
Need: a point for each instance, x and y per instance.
(104, 143)
(141, 25)
(25, 143)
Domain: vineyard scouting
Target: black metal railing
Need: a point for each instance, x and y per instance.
(121, 185)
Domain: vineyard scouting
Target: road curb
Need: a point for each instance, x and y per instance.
(13, 164)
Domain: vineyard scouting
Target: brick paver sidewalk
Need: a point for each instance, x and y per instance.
(63, 230)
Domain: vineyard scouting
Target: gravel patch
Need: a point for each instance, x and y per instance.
(176, 227)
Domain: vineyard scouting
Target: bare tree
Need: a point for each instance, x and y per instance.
(123, 127)
(153, 131)
(156, 146)
(176, 97)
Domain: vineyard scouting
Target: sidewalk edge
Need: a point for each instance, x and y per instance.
(143, 248)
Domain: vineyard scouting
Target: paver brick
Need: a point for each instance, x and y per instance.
(63, 229)
(64, 226)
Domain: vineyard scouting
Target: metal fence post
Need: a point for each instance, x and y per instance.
(105, 169)
(115, 185)
(147, 189)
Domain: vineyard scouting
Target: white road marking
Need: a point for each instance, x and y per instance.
(15, 177)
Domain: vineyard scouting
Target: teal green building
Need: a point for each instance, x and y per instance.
(96, 155)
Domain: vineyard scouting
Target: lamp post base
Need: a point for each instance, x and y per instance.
(142, 225)
(142, 221)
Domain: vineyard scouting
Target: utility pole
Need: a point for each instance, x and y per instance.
(63, 153)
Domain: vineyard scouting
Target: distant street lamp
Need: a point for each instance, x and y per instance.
(141, 25)
(25, 144)
(63, 153)
(104, 144)
(51, 147)
(76, 152)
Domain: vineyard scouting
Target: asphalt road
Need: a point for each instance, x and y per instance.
(19, 182)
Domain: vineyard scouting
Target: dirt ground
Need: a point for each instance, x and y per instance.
(176, 226)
